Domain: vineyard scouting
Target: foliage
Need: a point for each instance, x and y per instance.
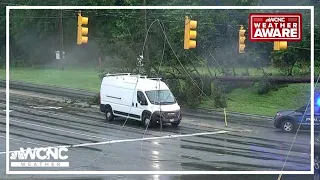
(117, 36)
(175, 87)
(218, 95)
(264, 86)
(192, 93)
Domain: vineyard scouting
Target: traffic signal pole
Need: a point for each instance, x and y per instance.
(61, 41)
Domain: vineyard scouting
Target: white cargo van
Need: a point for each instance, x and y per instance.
(137, 97)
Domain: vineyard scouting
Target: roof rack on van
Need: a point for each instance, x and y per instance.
(155, 78)
(117, 74)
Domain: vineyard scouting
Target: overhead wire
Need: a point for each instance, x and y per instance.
(145, 40)
(132, 12)
(114, 136)
(297, 129)
(123, 14)
(158, 92)
(162, 26)
(181, 64)
(203, 48)
(166, 39)
(129, 110)
(158, 97)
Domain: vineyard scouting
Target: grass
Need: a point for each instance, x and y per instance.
(76, 78)
(246, 100)
(240, 100)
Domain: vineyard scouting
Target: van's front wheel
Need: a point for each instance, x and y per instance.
(175, 124)
(109, 114)
(146, 120)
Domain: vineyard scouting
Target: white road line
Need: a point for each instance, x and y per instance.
(133, 140)
(71, 132)
(150, 138)
(65, 115)
(46, 107)
(9, 110)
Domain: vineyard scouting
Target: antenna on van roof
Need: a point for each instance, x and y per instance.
(140, 64)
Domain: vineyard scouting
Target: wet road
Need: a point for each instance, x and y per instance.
(238, 147)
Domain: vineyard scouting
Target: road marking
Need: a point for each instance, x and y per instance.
(200, 124)
(46, 107)
(66, 116)
(6, 110)
(61, 130)
(133, 140)
(150, 138)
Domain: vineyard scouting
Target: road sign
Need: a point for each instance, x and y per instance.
(275, 27)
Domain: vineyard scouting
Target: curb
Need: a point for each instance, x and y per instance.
(53, 90)
(214, 113)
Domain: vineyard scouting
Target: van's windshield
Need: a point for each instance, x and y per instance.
(163, 97)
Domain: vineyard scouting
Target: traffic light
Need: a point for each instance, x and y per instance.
(279, 45)
(190, 34)
(242, 38)
(82, 31)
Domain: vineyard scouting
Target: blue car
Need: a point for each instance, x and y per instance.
(289, 120)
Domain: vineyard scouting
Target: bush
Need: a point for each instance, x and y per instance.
(95, 100)
(263, 86)
(218, 95)
(2, 62)
(207, 85)
(192, 93)
(174, 86)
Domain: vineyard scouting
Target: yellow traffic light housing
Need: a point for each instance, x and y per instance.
(279, 45)
(190, 34)
(82, 31)
(242, 38)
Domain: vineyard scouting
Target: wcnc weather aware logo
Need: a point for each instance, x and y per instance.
(39, 157)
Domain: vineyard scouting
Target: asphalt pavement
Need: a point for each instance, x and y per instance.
(199, 143)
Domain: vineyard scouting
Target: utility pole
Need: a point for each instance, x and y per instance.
(61, 40)
(146, 53)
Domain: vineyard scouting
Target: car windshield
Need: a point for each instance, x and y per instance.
(161, 97)
(302, 109)
(306, 108)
